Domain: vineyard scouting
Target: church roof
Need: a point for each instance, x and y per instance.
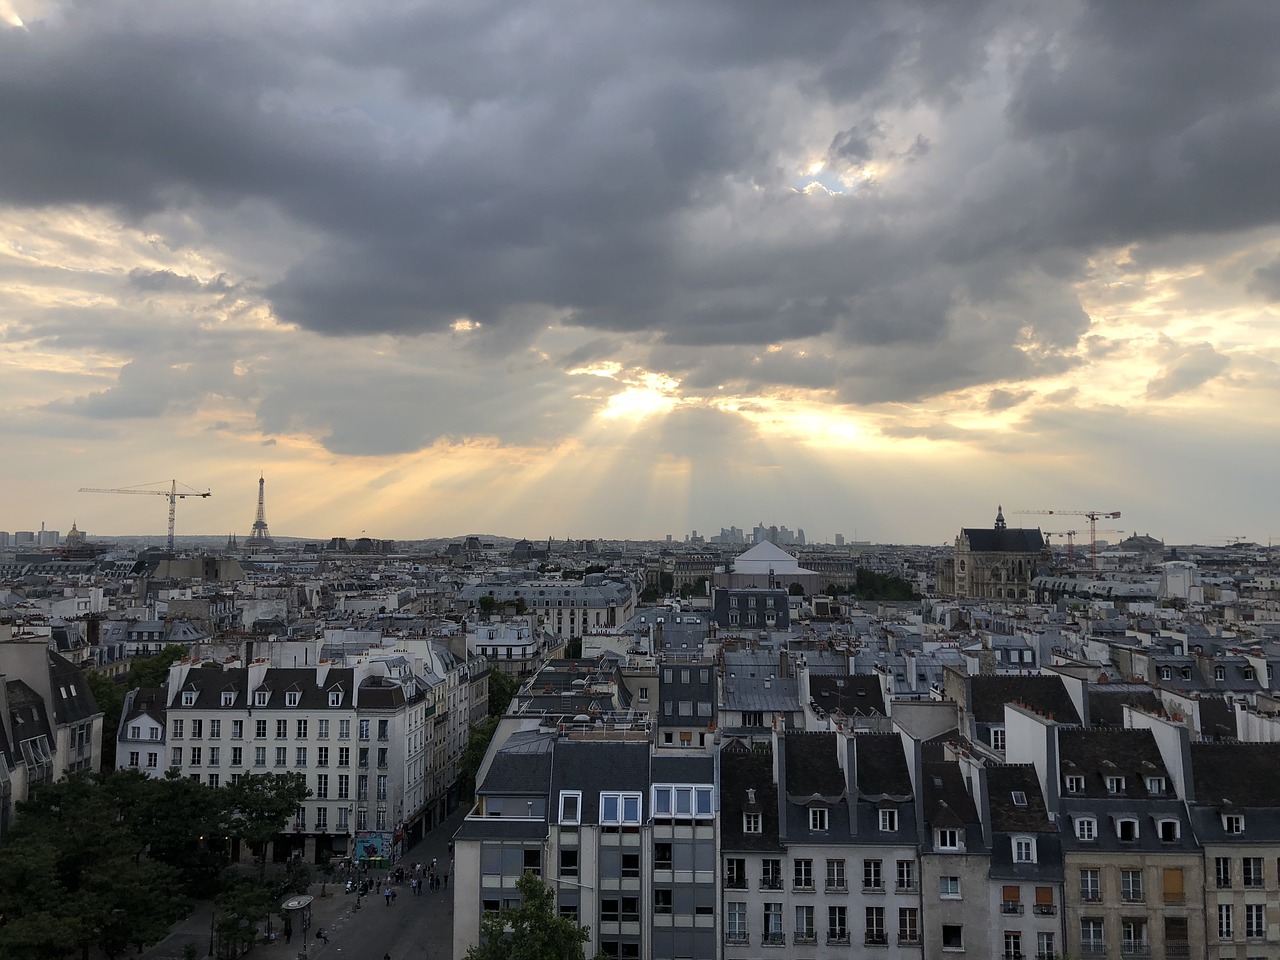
(1004, 539)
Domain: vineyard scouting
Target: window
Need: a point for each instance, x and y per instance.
(1115, 784)
(175, 758)
(835, 875)
(300, 757)
(773, 923)
(1169, 830)
(188, 698)
(837, 924)
(771, 874)
(237, 729)
(302, 730)
(364, 729)
(802, 874)
(237, 756)
(1012, 945)
(133, 758)
(1166, 673)
(1044, 902)
(1173, 890)
(1044, 946)
(291, 698)
(282, 756)
(322, 729)
(1233, 823)
(1131, 886)
(735, 920)
(804, 925)
(908, 925)
(949, 888)
(952, 936)
(260, 729)
(888, 820)
(1255, 920)
(215, 729)
(570, 807)
(178, 726)
(735, 873)
(1086, 828)
(259, 756)
(1091, 940)
(997, 739)
(872, 875)
(947, 839)
(322, 786)
(261, 697)
(214, 756)
(282, 729)
(818, 818)
(620, 808)
(1019, 798)
(1155, 786)
(344, 756)
(569, 862)
(1090, 886)
(322, 756)
(214, 780)
(344, 729)
(228, 697)
(662, 856)
(344, 786)
(751, 823)
(906, 874)
(1133, 936)
(875, 926)
(1226, 928)
(1127, 830)
(1024, 850)
(1251, 871)
(384, 727)
(1075, 784)
(1220, 673)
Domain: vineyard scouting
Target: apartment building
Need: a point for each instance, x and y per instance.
(140, 738)
(954, 864)
(567, 608)
(625, 836)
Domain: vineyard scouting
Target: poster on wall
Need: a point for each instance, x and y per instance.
(373, 847)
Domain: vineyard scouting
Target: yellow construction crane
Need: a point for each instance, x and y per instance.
(173, 493)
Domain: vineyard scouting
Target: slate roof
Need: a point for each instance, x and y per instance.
(1107, 703)
(743, 769)
(520, 769)
(1004, 539)
(28, 716)
(1217, 718)
(1002, 782)
(812, 766)
(1246, 774)
(593, 766)
(856, 695)
(880, 766)
(208, 685)
(947, 803)
(1043, 693)
(1097, 753)
(72, 696)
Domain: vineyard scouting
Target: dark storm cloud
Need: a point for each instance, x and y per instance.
(630, 166)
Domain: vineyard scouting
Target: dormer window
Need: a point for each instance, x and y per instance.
(1166, 673)
(947, 839)
(1233, 823)
(1024, 850)
(751, 823)
(1155, 786)
(335, 698)
(1115, 784)
(1248, 673)
(1186, 673)
(570, 807)
(291, 698)
(260, 698)
(888, 820)
(818, 818)
(1075, 783)
(997, 739)
(1086, 828)
(1127, 829)
(188, 698)
(1019, 798)
(228, 698)
(1220, 673)
(1169, 830)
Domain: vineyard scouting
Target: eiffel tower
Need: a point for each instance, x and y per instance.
(260, 539)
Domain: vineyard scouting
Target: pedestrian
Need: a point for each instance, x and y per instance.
(387, 893)
(288, 931)
(393, 895)
(446, 881)
(321, 935)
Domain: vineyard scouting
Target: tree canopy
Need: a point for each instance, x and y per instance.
(530, 931)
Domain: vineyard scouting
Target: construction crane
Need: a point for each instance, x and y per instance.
(1071, 543)
(1093, 515)
(173, 493)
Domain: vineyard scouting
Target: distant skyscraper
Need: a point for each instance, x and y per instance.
(260, 538)
(839, 539)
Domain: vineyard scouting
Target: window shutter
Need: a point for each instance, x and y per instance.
(1044, 896)
(1172, 882)
(1011, 895)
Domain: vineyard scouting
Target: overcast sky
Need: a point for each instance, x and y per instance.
(627, 269)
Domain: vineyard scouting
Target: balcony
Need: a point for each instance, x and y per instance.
(838, 937)
(873, 888)
(1177, 948)
(876, 940)
(770, 883)
(737, 939)
(1045, 909)
(1013, 907)
(1090, 896)
(906, 888)
(806, 936)
(1014, 955)
(735, 883)
(774, 939)
(1135, 948)
(911, 940)
(1093, 948)
(836, 887)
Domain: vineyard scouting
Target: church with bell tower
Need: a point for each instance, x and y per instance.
(993, 563)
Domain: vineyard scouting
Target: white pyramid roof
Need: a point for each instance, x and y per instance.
(766, 556)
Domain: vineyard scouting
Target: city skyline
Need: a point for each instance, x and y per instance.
(623, 271)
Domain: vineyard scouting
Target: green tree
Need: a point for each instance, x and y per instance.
(666, 583)
(573, 648)
(531, 931)
(501, 689)
(260, 805)
(473, 755)
(486, 604)
(109, 696)
(153, 671)
(795, 590)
